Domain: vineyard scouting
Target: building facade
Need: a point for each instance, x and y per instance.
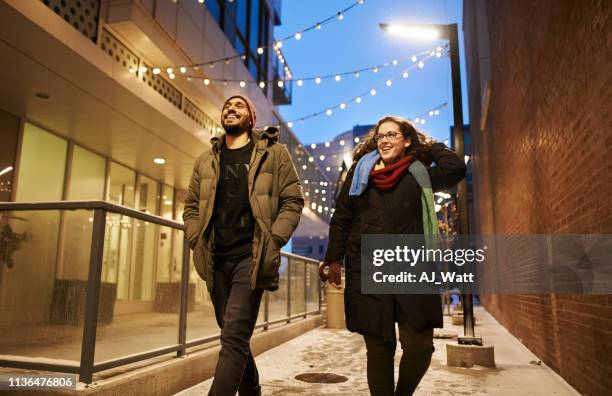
(113, 100)
(538, 82)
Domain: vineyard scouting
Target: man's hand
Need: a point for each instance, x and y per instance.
(331, 271)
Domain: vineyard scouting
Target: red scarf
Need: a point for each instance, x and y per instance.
(387, 177)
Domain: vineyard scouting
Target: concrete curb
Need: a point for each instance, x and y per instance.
(173, 375)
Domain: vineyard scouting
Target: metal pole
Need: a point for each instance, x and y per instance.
(453, 37)
(182, 340)
(305, 289)
(90, 324)
(288, 289)
(266, 310)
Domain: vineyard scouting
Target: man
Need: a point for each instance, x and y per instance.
(243, 204)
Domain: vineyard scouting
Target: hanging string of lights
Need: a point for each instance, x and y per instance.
(417, 63)
(276, 44)
(318, 79)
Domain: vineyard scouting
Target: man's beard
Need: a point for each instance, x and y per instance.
(236, 129)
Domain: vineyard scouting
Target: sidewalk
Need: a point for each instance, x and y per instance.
(343, 353)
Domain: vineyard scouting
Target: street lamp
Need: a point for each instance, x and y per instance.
(450, 33)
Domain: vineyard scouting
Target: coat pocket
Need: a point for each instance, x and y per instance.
(199, 258)
(271, 258)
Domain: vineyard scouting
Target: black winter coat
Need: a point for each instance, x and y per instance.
(394, 211)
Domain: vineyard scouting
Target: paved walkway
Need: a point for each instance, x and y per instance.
(343, 353)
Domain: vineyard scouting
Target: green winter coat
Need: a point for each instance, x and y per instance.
(276, 199)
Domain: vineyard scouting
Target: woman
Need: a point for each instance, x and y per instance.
(382, 194)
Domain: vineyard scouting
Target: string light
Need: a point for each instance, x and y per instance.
(339, 15)
(317, 79)
(358, 99)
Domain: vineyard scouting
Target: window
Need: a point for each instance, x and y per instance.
(216, 11)
(9, 130)
(42, 166)
(86, 182)
(121, 190)
(242, 17)
(86, 175)
(254, 27)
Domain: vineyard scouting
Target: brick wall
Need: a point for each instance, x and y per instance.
(543, 163)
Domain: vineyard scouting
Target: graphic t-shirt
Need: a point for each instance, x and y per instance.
(232, 217)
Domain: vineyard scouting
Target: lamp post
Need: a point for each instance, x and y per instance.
(450, 33)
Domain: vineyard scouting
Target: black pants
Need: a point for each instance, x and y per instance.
(236, 310)
(417, 349)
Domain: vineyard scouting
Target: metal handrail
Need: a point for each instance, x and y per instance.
(91, 205)
(87, 366)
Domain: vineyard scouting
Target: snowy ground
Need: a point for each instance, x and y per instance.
(343, 353)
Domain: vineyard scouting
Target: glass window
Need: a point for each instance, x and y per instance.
(242, 17)
(167, 202)
(9, 130)
(142, 270)
(86, 183)
(253, 67)
(121, 186)
(27, 288)
(42, 166)
(229, 24)
(254, 26)
(86, 175)
(215, 9)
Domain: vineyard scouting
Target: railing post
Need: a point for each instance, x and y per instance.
(266, 310)
(90, 321)
(184, 298)
(288, 289)
(305, 289)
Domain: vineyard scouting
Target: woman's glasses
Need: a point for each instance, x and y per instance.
(391, 136)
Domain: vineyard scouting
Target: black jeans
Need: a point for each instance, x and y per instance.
(236, 310)
(417, 349)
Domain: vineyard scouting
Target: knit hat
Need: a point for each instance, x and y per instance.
(249, 106)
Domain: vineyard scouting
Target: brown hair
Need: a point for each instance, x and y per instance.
(419, 142)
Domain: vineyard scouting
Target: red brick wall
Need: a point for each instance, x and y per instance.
(543, 164)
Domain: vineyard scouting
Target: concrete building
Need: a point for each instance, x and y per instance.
(539, 88)
(112, 100)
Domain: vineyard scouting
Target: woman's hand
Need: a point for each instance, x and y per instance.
(331, 271)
